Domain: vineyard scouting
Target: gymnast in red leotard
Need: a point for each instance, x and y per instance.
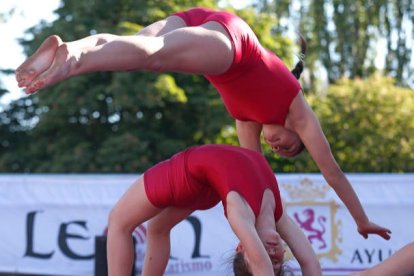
(197, 179)
(257, 88)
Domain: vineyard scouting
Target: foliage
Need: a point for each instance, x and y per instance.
(344, 35)
(369, 124)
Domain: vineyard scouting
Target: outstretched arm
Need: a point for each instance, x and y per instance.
(305, 123)
(242, 221)
(157, 252)
(299, 245)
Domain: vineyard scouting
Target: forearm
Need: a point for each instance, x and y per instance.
(264, 269)
(319, 148)
(348, 196)
(299, 245)
(341, 185)
(310, 269)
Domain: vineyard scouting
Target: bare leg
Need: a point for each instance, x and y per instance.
(132, 209)
(46, 54)
(400, 263)
(44, 57)
(158, 240)
(162, 27)
(204, 49)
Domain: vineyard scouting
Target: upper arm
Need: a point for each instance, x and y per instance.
(242, 222)
(241, 219)
(299, 245)
(249, 134)
(307, 126)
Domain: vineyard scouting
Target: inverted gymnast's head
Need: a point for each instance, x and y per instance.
(282, 139)
(274, 247)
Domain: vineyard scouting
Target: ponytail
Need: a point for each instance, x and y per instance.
(297, 71)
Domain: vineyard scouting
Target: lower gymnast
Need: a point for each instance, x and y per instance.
(198, 178)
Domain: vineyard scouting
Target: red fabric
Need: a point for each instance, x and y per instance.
(169, 184)
(258, 86)
(199, 177)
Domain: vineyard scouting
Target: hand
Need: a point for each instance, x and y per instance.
(372, 228)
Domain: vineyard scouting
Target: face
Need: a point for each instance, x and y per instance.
(274, 248)
(282, 140)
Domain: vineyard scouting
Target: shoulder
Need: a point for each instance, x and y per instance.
(235, 203)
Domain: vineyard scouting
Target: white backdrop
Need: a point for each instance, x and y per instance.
(49, 223)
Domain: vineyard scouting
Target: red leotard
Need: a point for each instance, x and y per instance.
(199, 177)
(258, 86)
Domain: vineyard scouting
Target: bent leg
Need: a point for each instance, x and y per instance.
(132, 209)
(157, 252)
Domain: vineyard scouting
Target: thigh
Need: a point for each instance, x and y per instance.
(205, 49)
(167, 219)
(134, 207)
(162, 27)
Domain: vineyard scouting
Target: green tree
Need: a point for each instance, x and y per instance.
(14, 126)
(369, 124)
(343, 35)
(396, 17)
(4, 17)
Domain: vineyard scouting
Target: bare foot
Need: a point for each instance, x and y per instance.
(38, 62)
(59, 70)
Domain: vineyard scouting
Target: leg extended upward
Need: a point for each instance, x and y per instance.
(167, 45)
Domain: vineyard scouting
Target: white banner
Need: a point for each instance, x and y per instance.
(49, 224)
(388, 200)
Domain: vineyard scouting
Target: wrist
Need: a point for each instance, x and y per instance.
(362, 222)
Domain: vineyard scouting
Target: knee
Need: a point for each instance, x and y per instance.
(112, 219)
(117, 223)
(157, 57)
(104, 38)
(156, 229)
(156, 64)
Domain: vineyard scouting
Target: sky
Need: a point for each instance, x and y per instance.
(28, 14)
